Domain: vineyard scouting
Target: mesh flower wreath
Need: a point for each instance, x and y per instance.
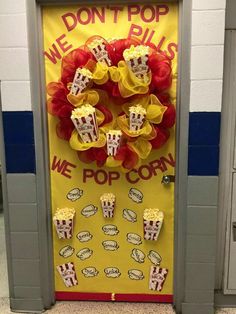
(124, 75)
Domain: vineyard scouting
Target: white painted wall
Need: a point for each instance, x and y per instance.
(14, 65)
(208, 17)
(208, 23)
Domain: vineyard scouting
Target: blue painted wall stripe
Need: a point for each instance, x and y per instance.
(204, 138)
(18, 127)
(204, 128)
(204, 135)
(203, 160)
(19, 141)
(20, 158)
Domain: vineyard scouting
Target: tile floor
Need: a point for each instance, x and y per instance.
(109, 308)
(82, 307)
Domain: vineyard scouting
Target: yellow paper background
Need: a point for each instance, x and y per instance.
(155, 194)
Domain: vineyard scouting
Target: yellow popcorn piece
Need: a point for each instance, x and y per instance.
(107, 197)
(85, 72)
(135, 52)
(64, 213)
(153, 214)
(82, 111)
(115, 132)
(95, 43)
(138, 109)
(112, 39)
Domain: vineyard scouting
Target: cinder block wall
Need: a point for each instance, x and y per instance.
(205, 106)
(208, 23)
(22, 231)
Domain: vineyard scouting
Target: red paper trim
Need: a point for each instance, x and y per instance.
(83, 296)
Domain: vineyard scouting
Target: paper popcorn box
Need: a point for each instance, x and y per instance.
(98, 48)
(68, 274)
(136, 59)
(108, 201)
(139, 66)
(137, 116)
(152, 223)
(113, 142)
(64, 222)
(82, 79)
(157, 278)
(85, 122)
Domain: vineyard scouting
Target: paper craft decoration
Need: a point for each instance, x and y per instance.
(137, 59)
(68, 274)
(108, 201)
(98, 49)
(85, 121)
(130, 173)
(64, 222)
(157, 278)
(152, 222)
(136, 117)
(113, 142)
(82, 79)
(127, 85)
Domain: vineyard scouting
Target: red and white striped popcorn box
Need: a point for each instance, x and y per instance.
(64, 222)
(108, 203)
(139, 66)
(98, 48)
(136, 121)
(113, 142)
(157, 278)
(136, 58)
(152, 229)
(64, 228)
(152, 222)
(87, 127)
(80, 82)
(108, 209)
(68, 274)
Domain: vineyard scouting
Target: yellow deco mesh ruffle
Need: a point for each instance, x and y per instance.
(77, 144)
(154, 109)
(128, 83)
(91, 97)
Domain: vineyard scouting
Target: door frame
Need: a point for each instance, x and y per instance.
(228, 124)
(225, 183)
(38, 97)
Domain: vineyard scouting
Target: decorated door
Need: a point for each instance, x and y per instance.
(111, 74)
